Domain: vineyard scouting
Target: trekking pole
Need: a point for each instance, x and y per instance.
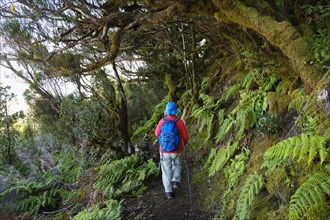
(188, 178)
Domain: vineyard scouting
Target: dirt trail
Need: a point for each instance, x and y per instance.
(153, 204)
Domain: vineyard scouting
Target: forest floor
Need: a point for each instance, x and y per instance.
(153, 204)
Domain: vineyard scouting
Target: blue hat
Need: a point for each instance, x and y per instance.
(171, 109)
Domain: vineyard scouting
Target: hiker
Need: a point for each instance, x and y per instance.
(173, 135)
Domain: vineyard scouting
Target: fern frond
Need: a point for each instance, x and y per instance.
(245, 118)
(236, 168)
(299, 103)
(304, 147)
(297, 93)
(127, 173)
(301, 148)
(309, 194)
(231, 90)
(34, 196)
(211, 157)
(221, 116)
(225, 127)
(248, 79)
(112, 210)
(222, 157)
(269, 83)
(251, 188)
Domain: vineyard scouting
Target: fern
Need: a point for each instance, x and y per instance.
(222, 157)
(251, 188)
(269, 83)
(312, 118)
(205, 114)
(299, 103)
(124, 176)
(310, 194)
(111, 211)
(224, 128)
(248, 79)
(211, 157)
(236, 168)
(231, 90)
(244, 117)
(34, 196)
(232, 174)
(297, 148)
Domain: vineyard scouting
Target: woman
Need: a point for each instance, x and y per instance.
(171, 158)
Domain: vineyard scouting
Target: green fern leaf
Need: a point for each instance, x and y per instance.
(320, 142)
(251, 188)
(309, 194)
(231, 90)
(225, 127)
(222, 157)
(299, 103)
(302, 148)
(211, 157)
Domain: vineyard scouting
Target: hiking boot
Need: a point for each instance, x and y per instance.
(176, 185)
(169, 195)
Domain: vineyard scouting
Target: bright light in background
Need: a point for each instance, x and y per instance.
(7, 78)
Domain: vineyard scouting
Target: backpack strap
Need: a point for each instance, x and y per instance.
(174, 120)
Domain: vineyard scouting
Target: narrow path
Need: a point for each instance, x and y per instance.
(153, 204)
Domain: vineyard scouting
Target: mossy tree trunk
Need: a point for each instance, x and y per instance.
(123, 111)
(195, 91)
(171, 87)
(281, 34)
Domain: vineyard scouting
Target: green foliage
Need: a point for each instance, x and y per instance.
(205, 114)
(151, 124)
(60, 175)
(303, 148)
(320, 44)
(142, 97)
(251, 188)
(299, 103)
(267, 124)
(35, 196)
(232, 173)
(112, 210)
(225, 127)
(222, 157)
(236, 168)
(312, 119)
(231, 90)
(310, 195)
(68, 166)
(124, 176)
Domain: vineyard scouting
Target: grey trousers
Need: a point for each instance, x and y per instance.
(171, 169)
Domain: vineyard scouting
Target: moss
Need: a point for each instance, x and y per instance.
(259, 145)
(171, 87)
(261, 206)
(209, 190)
(279, 214)
(280, 34)
(278, 103)
(279, 184)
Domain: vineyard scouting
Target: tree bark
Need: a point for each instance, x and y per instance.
(123, 112)
(281, 34)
